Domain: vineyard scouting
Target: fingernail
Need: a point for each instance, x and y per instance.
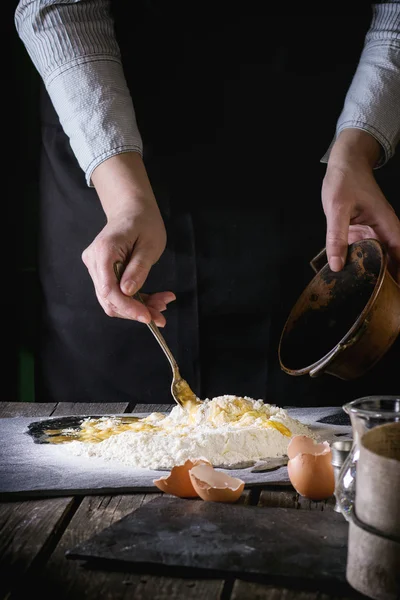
(336, 263)
(145, 320)
(129, 287)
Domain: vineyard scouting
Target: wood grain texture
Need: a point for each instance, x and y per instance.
(27, 409)
(26, 530)
(289, 498)
(35, 534)
(245, 498)
(245, 590)
(65, 578)
(28, 526)
(163, 588)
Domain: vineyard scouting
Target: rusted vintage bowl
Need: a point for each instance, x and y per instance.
(343, 323)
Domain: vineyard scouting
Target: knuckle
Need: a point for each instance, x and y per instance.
(86, 256)
(332, 191)
(108, 308)
(336, 204)
(105, 292)
(141, 267)
(336, 238)
(102, 246)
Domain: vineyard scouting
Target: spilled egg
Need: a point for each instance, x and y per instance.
(310, 468)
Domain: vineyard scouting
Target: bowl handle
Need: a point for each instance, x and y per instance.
(320, 368)
(319, 261)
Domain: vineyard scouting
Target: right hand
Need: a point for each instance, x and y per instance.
(354, 205)
(134, 235)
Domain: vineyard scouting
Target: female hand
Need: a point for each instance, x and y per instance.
(134, 235)
(354, 205)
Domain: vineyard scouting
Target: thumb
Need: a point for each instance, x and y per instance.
(337, 234)
(136, 272)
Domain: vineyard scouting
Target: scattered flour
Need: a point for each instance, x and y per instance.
(229, 431)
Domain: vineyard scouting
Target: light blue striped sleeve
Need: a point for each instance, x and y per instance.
(73, 47)
(372, 102)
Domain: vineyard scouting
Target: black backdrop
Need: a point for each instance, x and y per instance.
(20, 298)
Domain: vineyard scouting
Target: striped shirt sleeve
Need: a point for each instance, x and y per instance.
(73, 46)
(372, 102)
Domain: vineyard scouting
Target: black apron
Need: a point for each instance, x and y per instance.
(236, 108)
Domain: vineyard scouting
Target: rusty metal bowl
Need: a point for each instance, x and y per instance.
(343, 323)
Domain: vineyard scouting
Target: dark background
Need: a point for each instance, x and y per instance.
(20, 298)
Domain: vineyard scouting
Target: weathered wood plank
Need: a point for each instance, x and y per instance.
(65, 578)
(291, 499)
(244, 590)
(44, 409)
(245, 498)
(27, 526)
(98, 408)
(26, 409)
(26, 529)
(163, 588)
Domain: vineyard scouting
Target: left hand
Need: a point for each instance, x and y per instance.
(134, 234)
(354, 205)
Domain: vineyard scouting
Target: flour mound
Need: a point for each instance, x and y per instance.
(228, 431)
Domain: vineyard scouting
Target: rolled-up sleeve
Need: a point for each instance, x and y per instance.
(73, 46)
(372, 102)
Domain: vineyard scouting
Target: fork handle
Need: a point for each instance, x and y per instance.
(118, 270)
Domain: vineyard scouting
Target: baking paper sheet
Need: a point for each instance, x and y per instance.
(31, 469)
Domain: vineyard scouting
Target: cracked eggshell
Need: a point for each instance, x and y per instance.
(302, 444)
(310, 468)
(215, 486)
(178, 482)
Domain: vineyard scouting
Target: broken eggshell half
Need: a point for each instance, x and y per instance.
(215, 486)
(310, 468)
(178, 482)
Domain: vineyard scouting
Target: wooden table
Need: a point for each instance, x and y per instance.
(35, 533)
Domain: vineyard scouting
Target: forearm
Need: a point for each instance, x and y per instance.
(122, 185)
(73, 46)
(354, 146)
(372, 103)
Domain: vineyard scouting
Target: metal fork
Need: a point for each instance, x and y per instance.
(180, 389)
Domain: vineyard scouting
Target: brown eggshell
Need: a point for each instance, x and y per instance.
(312, 475)
(215, 486)
(303, 444)
(178, 482)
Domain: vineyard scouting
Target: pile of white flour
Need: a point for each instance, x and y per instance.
(228, 431)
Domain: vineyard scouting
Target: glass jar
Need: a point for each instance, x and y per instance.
(365, 413)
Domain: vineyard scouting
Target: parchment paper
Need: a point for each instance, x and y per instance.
(31, 469)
